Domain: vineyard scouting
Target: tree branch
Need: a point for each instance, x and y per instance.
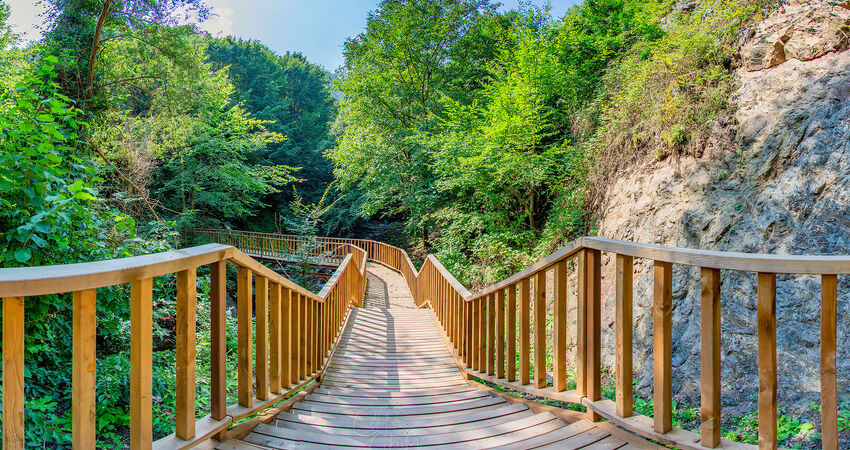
(96, 43)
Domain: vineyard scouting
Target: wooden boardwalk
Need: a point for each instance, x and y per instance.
(393, 383)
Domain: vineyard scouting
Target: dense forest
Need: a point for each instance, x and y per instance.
(486, 134)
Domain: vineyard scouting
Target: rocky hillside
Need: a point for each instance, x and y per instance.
(775, 178)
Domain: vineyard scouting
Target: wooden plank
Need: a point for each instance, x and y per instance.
(261, 355)
(510, 374)
(185, 354)
(302, 338)
(244, 331)
(662, 346)
(275, 339)
(295, 337)
(710, 358)
(559, 344)
(500, 334)
(624, 326)
(581, 328)
(524, 307)
(593, 323)
(767, 359)
(84, 363)
(482, 334)
(13, 372)
(468, 331)
(540, 329)
(491, 334)
(141, 360)
(288, 326)
(828, 341)
(218, 341)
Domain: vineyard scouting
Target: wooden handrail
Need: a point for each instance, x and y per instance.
(296, 331)
(475, 325)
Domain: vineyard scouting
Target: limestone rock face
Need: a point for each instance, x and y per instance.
(775, 179)
(802, 30)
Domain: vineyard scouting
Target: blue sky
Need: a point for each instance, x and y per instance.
(316, 28)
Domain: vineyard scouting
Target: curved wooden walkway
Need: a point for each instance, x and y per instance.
(393, 383)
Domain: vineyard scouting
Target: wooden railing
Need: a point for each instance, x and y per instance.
(499, 333)
(296, 331)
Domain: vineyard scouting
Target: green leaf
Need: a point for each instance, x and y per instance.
(83, 196)
(23, 255)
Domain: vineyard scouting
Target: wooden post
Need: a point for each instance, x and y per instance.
(262, 329)
(482, 334)
(710, 357)
(491, 334)
(767, 359)
(593, 324)
(511, 337)
(185, 354)
(274, 338)
(559, 344)
(84, 362)
(244, 338)
(540, 329)
(468, 330)
(286, 378)
(500, 333)
(662, 346)
(295, 336)
(828, 382)
(218, 343)
(305, 330)
(581, 328)
(524, 307)
(141, 360)
(13, 372)
(623, 369)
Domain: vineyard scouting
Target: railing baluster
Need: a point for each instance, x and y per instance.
(84, 361)
(593, 326)
(244, 338)
(467, 333)
(540, 329)
(286, 326)
(767, 359)
(491, 334)
(710, 356)
(305, 329)
(560, 327)
(828, 383)
(185, 353)
(482, 335)
(475, 341)
(13, 372)
(662, 346)
(524, 307)
(295, 336)
(510, 375)
(218, 343)
(581, 324)
(274, 338)
(500, 333)
(262, 330)
(624, 301)
(141, 360)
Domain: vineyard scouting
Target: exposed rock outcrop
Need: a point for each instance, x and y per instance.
(776, 179)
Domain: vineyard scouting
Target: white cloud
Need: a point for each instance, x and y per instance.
(220, 22)
(25, 18)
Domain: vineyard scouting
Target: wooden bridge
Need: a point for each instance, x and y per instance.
(395, 366)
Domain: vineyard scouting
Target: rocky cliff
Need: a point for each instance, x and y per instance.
(775, 178)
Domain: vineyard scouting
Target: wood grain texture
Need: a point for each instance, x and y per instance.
(559, 344)
(581, 327)
(244, 331)
(185, 354)
(828, 341)
(540, 329)
(710, 358)
(491, 334)
(13, 372)
(84, 363)
(141, 354)
(275, 339)
(662, 346)
(500, 334)
(218, 340)
(524, 307)
(593, 324)
(624, 325)
(767, 359)
(261, 355)
(510, 374)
